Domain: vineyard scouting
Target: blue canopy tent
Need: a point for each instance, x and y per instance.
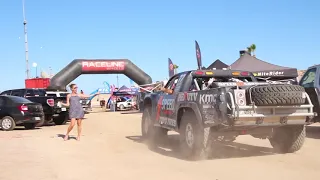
(124, 90)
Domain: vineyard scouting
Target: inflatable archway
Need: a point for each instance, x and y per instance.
(98, 66)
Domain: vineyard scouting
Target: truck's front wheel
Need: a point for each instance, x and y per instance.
(288, 139)
(150, 132)
(194, 140)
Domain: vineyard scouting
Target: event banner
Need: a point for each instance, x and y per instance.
(171, 68)
(103, 65)
(198, 54)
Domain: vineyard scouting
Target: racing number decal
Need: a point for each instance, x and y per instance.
(159, 108)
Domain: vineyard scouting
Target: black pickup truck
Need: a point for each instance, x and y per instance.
(52, 112)
(211, 106)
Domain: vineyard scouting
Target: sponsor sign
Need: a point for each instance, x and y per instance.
(207, 98)
(181, 97)
(103, 65)
(270, 73)
(192, 96)
(168, 104)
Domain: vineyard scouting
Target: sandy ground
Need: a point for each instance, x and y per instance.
(110, 148)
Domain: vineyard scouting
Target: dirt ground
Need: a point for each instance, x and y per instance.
(110, 148)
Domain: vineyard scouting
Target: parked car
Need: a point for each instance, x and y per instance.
(52, 112)
(16, 111)
(120, 99)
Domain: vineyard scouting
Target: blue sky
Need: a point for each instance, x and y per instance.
(148, 32)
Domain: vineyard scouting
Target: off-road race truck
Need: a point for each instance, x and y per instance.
(215, 106)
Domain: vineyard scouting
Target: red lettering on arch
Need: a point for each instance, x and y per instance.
(103, 65)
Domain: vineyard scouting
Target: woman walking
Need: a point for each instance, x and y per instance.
(76, 112)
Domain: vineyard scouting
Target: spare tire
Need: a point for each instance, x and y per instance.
(278, 95)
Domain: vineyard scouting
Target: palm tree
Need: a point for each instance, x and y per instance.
(253, 49)
(175, 67)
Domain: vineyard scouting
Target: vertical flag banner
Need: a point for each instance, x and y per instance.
(112, 88)
(198, 55)
(106, 86)
(171, 68)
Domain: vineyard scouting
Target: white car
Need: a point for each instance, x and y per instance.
(127, 104)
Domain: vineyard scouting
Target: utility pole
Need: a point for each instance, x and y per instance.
(117, 81)
(25, 40)
(50, 72)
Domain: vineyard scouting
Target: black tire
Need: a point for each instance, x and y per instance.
(121, 107)
(60, 120)
(278, 95)
(200, 148)
(41, 123)
(7, 123)
(30, 125)
(150, 133)
(288, 139)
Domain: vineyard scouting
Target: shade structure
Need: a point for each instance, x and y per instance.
(124, 90)
(217, 64)
(261, 68)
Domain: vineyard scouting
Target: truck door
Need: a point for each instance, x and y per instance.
(169, 101)
(311, 85)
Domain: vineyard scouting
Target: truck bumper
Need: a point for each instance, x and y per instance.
(273, 121)
(59, 111)
(251, 115)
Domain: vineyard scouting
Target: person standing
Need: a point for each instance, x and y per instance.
(76, 113)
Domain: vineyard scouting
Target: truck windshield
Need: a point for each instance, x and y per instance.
(55, 94)
(17, 99)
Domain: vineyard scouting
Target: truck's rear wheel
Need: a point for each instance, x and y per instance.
(278, 95)
(195, 143)
(30, 125)
(41, 123)
(288, 139)
(151, 133)
(60, 120)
